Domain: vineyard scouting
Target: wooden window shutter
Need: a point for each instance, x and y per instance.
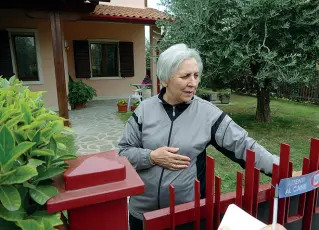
(6, 68)
(126, 59)
(81, 59)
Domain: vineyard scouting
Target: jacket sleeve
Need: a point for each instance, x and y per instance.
(131, 144)
(232, 140)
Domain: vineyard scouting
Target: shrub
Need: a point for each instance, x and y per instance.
(80, 93)
(204, 93)
(30, 138)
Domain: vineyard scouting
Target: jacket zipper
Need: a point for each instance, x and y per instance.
(168, 144)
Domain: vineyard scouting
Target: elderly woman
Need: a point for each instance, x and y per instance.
(166, 136)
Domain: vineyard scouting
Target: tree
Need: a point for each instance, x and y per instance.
(269, 41)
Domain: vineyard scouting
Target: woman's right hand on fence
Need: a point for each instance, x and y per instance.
(166, 157)
(278, 227)
(296, 173)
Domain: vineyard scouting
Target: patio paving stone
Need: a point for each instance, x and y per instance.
(97, 127)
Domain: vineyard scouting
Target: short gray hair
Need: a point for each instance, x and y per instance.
(169, 61)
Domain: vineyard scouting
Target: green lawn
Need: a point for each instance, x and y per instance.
(124, 116)
(292, 123)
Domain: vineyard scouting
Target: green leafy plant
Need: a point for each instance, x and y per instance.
(30, 144)
(80, 93)
(122, 102)
(224, 92)
(204, 93)
(135, 103)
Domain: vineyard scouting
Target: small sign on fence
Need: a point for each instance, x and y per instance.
(298, 185)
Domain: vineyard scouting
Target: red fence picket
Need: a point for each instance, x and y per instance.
(210, 179)
(239, 190)
(310, 198)
(254, 194)
(274, 181)
(302, 197)
(217, 202)
(197, 205)
(283, 173)
(249, 181)
(172, 207)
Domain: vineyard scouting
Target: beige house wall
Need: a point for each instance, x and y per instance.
(79, 30)
(16, 19)
(106, 87)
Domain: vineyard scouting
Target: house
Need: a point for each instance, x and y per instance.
(44, 42)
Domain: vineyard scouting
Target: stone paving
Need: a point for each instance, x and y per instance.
(97, 127)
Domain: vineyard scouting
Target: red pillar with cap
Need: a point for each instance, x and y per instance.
(95, 190)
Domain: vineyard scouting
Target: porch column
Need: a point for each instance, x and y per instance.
(155, 35)
(57, 46)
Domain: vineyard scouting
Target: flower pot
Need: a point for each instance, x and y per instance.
(206, 97)
(80, 106)
(133, 107)
(122, 108)
(213, 96)
(224, 99)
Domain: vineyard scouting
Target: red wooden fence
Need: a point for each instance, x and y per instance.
(215, 204)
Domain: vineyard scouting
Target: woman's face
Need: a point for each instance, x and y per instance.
(182, 85)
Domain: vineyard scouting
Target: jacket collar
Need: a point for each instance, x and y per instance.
(173, 111)
(161, 98)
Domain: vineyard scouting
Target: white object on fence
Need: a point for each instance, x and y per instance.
(237, 219)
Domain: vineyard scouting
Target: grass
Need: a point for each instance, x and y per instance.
(292, 123)
(125, 116)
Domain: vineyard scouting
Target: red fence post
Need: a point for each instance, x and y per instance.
(239, 190)
(249, 181)
(210, 176)
(95, 191)
(302, 197)
(217, 202)
(283, 173)
(291, 166)
(256, 189)
(274, 181)
(172, 207)
(310, 200)
(197, 204)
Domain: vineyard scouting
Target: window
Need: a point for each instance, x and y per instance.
(104, 59)
(24, 50)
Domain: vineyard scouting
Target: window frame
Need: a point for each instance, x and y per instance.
(17, 31)
(105, 41)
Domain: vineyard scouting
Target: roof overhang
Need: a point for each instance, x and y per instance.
(52, 5)
(125, 14)
(120, 19)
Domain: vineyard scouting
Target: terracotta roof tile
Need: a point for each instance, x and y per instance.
(129, 12)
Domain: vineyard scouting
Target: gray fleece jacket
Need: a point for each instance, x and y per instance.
(191, 127)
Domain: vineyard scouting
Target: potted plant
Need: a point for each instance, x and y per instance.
(147, 91)
(133, 107)
(204, 93)
(31, 140)
(122, 106)
(224, 96)
(80, 94)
